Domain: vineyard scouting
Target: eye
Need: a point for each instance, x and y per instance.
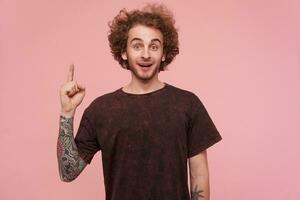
(154, 47)
(136, 46)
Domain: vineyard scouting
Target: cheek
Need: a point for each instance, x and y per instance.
(158, 55)
(132, 54)
(131, 58)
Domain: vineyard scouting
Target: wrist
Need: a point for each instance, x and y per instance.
(67, 114)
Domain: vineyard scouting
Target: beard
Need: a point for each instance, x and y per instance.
(144, 75)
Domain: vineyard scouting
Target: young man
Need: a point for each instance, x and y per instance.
(146, 130)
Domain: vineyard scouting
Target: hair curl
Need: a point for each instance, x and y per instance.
(152, 15)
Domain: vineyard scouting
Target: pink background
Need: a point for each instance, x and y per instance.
(240, 57)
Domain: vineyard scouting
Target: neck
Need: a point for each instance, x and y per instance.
(137, 86)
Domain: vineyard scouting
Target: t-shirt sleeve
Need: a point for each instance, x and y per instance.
(202, 132)
(86, 139)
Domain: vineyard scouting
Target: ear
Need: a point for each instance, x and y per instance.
(163, 58)
(124, 55)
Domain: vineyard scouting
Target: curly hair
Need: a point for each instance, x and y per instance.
(152, 15)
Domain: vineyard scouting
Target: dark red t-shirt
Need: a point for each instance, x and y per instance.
(145, 141)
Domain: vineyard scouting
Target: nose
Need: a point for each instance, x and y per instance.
(145, 53)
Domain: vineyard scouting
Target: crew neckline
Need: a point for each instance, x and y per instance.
(145, 94)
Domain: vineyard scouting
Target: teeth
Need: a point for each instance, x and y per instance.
(145, 65)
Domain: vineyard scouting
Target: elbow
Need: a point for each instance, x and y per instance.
(68, 172)
(67, 179)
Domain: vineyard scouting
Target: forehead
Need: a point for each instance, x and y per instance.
(144, 33)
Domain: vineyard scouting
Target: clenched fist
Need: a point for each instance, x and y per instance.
(71, 94)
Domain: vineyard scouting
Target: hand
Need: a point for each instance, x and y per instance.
(71, 94)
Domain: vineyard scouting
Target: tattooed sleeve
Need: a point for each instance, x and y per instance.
(70, 164)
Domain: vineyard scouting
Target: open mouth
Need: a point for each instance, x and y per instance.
(145, 65)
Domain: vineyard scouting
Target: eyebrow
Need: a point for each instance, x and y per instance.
(139, 39)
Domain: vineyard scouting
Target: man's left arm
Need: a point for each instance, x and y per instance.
(199, 176)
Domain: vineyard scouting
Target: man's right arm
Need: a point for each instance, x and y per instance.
(70, 164)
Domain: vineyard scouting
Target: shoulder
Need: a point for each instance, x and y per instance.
(184, 93)
(103, 101)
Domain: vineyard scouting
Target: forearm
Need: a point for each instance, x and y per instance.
(70, 164)
(199, 186)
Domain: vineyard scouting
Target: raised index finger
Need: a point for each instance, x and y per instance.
(71, 72)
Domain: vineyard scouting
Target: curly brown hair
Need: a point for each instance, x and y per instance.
(152, 15)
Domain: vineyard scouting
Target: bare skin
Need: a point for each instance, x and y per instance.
(196, 193)
(69, 163)
(199, 176)
(144, 46)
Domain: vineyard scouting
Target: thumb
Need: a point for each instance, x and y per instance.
(81, 87)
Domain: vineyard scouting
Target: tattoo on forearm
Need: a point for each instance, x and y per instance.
(196, 194)
(69, 162)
